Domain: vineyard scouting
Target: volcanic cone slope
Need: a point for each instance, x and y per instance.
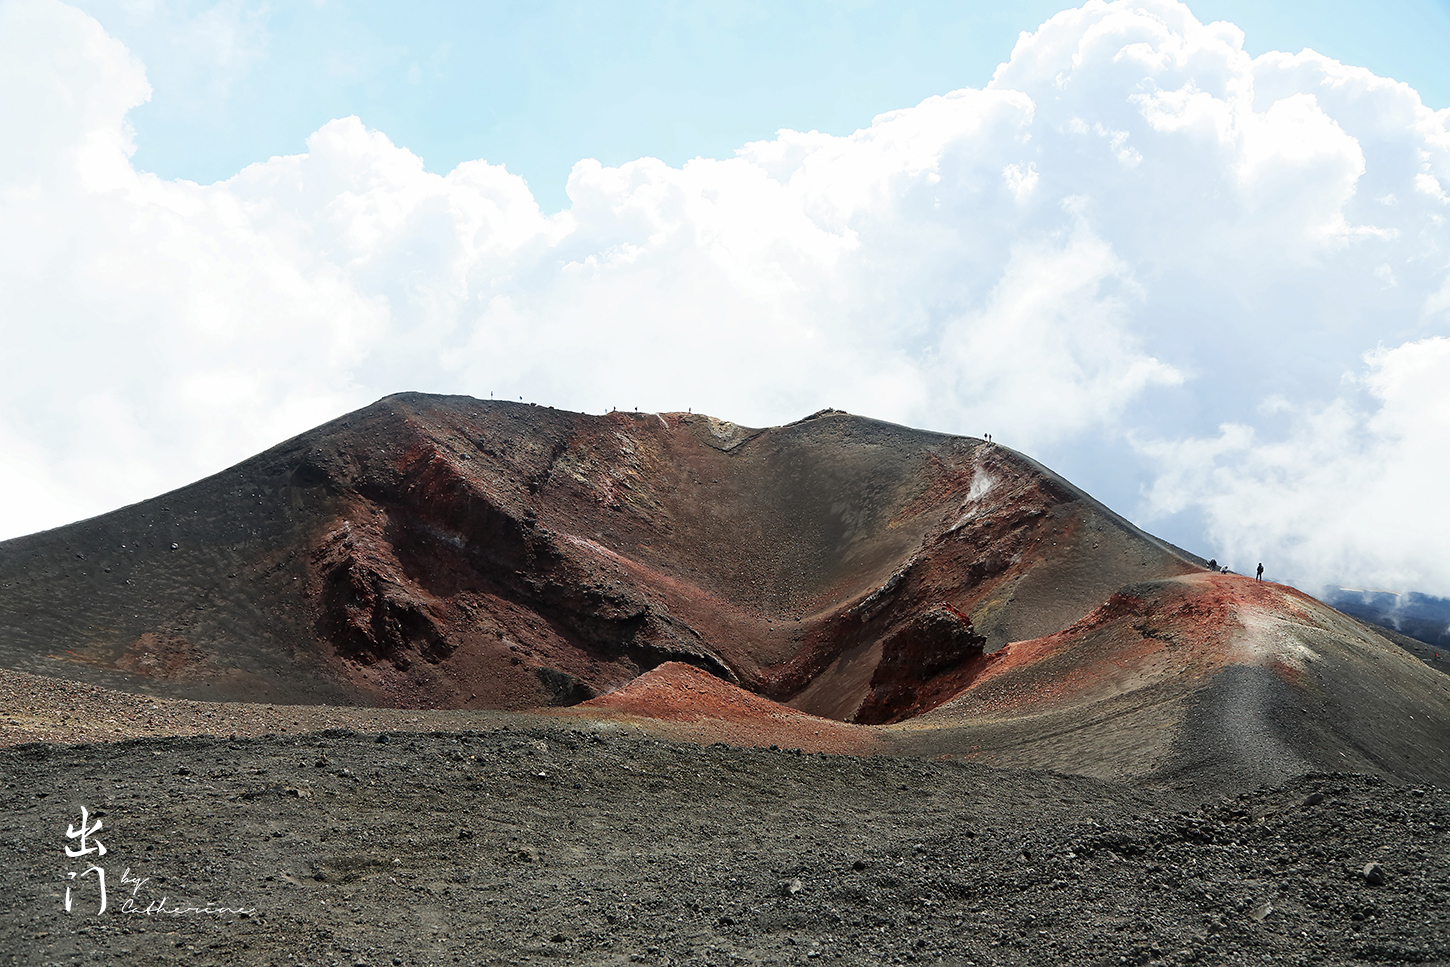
(449, 552)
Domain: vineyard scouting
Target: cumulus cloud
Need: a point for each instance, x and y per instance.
(1135, 235)
(1349, 491)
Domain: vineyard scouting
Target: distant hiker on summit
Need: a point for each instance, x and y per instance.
(1259, 576)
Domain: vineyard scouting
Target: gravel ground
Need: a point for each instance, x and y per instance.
(585, 845)
(38, 709)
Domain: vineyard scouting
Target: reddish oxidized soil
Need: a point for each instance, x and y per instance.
(685, 703)
(1187, 628)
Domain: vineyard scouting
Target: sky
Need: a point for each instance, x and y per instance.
(1193, 257)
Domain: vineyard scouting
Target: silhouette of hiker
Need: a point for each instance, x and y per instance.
(1260, 575)
(1213, 564)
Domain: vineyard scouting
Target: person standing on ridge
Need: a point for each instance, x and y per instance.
(1260, 575)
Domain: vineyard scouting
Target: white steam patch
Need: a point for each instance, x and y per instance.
(983, 483)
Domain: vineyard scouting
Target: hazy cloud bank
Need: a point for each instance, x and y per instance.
(1139, 254)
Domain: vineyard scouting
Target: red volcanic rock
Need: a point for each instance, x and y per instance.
(914, 657)
(370, 610)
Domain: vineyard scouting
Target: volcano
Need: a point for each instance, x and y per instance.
(828, 575)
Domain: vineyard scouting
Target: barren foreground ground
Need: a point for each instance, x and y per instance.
(594, 845)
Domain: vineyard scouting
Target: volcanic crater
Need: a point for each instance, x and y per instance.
(451, 553)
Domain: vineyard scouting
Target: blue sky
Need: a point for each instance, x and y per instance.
(1170, 251)
(538, 85)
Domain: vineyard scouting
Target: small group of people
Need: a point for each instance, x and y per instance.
(1213, 566)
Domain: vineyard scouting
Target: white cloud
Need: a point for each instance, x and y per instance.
(208, 45)
(1136, 232)
(1352, 490)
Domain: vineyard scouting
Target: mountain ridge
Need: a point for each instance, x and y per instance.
(447, 552)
